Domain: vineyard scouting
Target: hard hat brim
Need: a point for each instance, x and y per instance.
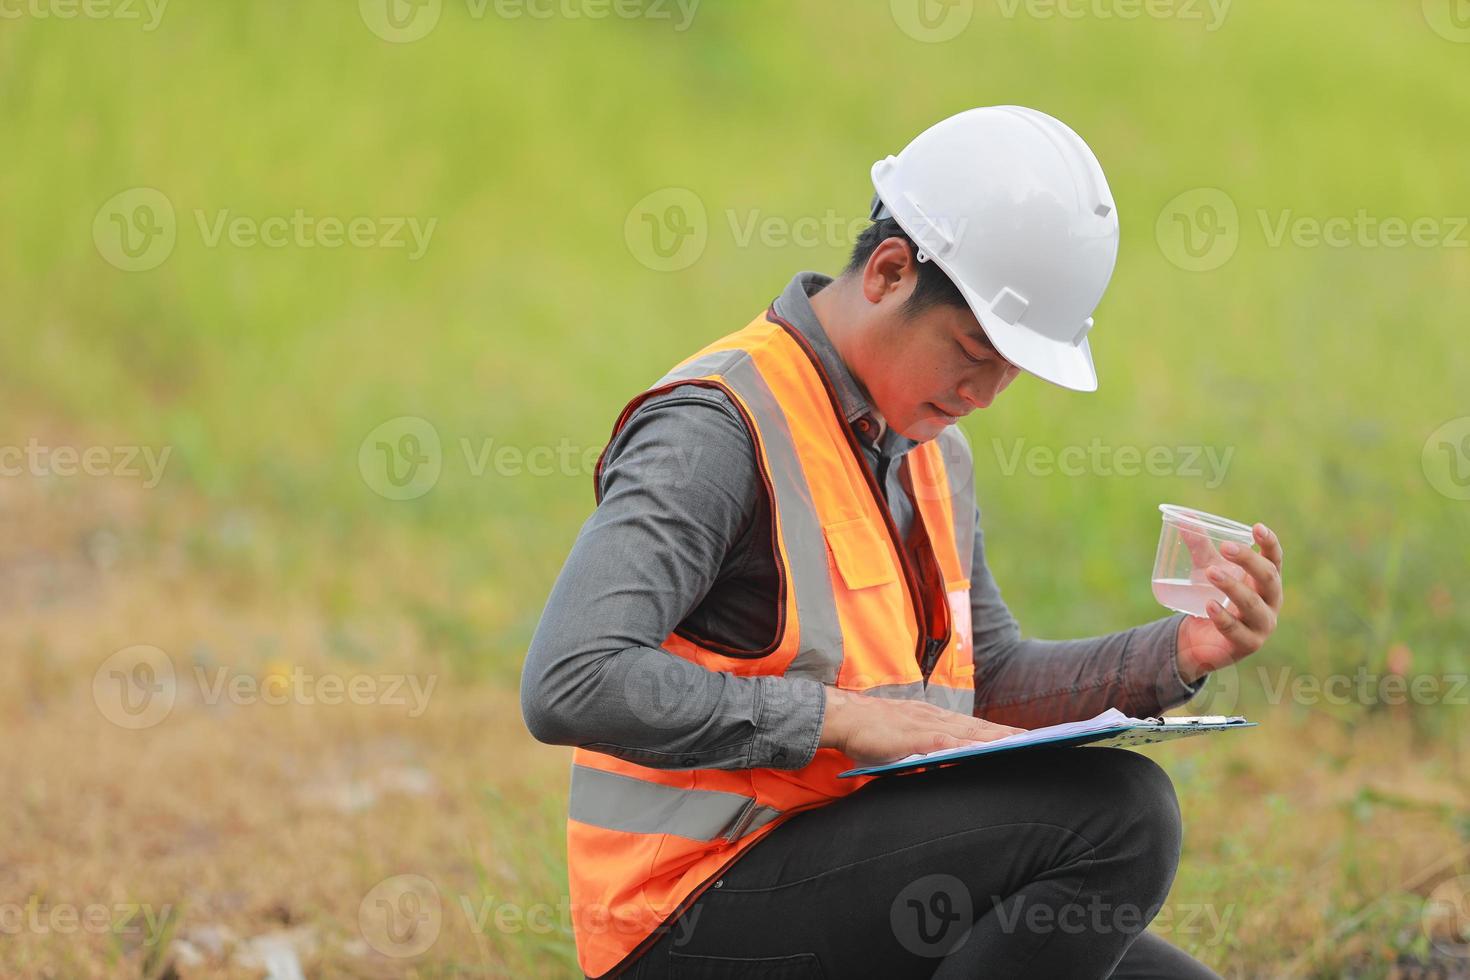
(1057, 361)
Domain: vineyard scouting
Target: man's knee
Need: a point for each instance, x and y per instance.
(1150, 808)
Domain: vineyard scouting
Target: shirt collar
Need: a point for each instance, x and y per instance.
(795, 307)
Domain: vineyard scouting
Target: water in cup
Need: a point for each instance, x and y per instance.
(1182, 595)
(1189, 547)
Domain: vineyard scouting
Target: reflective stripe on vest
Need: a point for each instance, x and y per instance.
(944, 492)
(644, 842)
(616, 802)
(821, 637)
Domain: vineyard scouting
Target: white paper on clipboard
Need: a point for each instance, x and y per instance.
(1111, 728)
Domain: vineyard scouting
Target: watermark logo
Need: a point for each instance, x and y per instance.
(1446, 917)
(136, 687)
(932, 21)
(1219, 696)
(400, 21)
(932, 917)
(1199, 230)
(1450, 19)
(135, 230)
(1446, 459)
(667, 692)
(401, 916)
(954, 480)
(402, 458)
(667, 230)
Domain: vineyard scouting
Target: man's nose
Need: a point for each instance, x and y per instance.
(980, 392)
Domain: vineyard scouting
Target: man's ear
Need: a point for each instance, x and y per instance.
(891, 269)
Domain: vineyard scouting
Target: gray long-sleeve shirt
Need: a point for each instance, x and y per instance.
(682, 539)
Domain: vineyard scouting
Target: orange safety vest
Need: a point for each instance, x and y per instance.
(644, 843)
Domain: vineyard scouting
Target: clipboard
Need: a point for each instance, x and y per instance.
(1112, 728)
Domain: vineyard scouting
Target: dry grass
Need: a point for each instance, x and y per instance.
(231, 812)
(1309, 840)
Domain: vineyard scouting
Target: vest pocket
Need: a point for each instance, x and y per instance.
(860, 552)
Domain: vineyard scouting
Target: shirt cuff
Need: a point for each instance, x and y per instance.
(788, 721)
(1156, 684)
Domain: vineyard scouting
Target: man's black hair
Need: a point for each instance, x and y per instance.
(933, 288)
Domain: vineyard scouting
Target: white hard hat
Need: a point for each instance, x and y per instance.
(1013, 206)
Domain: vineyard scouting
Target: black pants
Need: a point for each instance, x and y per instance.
(1046, 863)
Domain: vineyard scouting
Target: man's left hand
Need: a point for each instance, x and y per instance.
(1229, 636)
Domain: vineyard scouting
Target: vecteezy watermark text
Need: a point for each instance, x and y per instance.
(298, 686)
(36, 459)
(935, 21)
(1096, 917)
(667, 230)
(302, 230)
(123, 10)
(402, 916)
(1363, 687)
(404, 457)
(1100, 459)
(1200, 229)
(1211, 13)
(405, 21)
(37, 916)
(136, 230)
(1362, 230)
(138, 686)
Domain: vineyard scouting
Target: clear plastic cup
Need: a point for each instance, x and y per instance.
(1189, 547)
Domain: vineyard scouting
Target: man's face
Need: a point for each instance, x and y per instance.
(932, 369)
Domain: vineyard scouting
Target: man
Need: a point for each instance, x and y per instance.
(785, 576)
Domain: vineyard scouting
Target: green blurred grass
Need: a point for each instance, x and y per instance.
(530, 322)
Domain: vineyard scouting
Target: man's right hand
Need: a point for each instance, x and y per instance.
(872, 731)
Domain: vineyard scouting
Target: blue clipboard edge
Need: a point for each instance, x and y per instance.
(1060, 741)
